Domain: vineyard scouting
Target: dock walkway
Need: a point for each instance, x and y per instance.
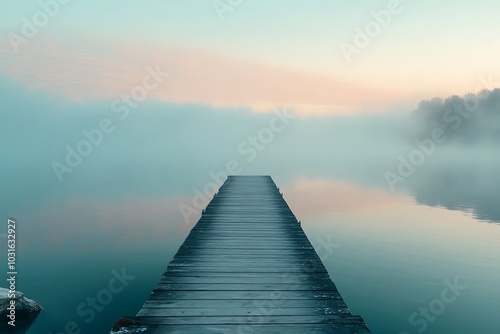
(246, 267)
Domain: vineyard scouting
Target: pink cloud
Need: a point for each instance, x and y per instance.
(90, 70)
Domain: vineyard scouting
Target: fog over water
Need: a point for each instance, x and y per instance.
(164, 149)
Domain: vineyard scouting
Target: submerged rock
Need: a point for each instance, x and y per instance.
(127, 326)
(25, 314)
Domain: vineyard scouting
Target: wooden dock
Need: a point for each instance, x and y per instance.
(246, 267)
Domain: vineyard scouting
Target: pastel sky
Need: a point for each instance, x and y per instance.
(262, 53)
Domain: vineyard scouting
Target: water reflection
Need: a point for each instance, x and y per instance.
(395, 256)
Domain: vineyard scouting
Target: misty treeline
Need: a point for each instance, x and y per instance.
(472, 119)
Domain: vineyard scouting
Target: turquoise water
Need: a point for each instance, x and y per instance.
(394, 257)
(389, 256)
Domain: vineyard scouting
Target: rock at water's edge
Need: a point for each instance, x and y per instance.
(26, 309)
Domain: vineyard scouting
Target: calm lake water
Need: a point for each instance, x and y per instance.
(396, 253)
(390, 255)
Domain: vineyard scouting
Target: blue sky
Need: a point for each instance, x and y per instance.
(428, 48)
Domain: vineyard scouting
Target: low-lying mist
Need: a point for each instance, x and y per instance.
(164, 149)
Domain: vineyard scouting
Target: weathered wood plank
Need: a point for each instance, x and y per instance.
(342, 328)
(244, 280)
(252, 310)
(251, 319)
(283, 275)
(245, 286)
(242, 294)
(336, 302)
